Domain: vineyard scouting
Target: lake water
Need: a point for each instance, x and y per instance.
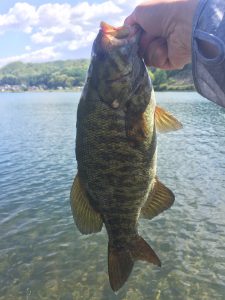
(42, 254)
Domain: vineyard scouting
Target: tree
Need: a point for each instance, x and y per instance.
(10, 79)
(160, 77)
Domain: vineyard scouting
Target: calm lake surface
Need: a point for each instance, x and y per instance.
(42, 254)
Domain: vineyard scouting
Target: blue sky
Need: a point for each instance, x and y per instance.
(47, 30)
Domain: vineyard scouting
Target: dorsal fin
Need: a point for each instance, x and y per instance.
(165, 122)
(159, 200)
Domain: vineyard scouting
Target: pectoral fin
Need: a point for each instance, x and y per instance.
(159, 200)
(85, 217)
(136, 127)
(165, 122)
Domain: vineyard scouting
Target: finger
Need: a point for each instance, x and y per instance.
(130, 20)
(161, 54)
(146, 39)
(156, 54)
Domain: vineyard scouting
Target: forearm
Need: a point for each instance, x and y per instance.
(208, 50)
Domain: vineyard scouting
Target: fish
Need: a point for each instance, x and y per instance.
(116, 151)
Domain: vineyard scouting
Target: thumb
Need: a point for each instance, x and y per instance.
(130, 20)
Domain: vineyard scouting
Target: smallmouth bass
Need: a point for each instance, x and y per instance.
(116, 183)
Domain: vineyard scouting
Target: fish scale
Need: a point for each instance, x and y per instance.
(94, 138)
(116, 182)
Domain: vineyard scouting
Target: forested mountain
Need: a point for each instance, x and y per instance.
(71, 74)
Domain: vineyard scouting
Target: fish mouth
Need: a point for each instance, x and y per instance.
(117, 32)
(113, 37)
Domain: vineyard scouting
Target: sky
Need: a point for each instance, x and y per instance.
(48, 30)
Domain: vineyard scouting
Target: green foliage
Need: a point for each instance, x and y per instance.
(10, 79)
(151, 74)
(72, 73)
(51, 75)
(175, 80)
(160, 77)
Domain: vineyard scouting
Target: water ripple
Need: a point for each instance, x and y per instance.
(42, 254)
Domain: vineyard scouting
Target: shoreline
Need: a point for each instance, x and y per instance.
(80, 90)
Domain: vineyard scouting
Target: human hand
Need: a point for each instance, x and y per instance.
(167, 25)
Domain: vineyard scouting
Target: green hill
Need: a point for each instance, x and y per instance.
(70, 74)
(51, 75)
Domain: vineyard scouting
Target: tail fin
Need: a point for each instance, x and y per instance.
(120, 265)
(121, 260)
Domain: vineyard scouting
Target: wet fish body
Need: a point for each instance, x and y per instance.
(116, 182)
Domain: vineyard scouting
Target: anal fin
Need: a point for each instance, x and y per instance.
(165, 121)
(159, 200)
(85, 217)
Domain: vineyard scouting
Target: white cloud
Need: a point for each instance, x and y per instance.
(63, 27)
(41, 38)
(57, 33)
(59, 22)
(84, 41)
(28, 48)
(22, 16)
(54, 14)
(87, 12)
(42, 55)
